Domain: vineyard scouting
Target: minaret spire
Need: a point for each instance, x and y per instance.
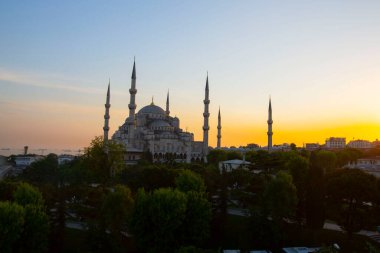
(270, 122)
(132, 92)
(107, 106)
(206, 127)
(219, 136)
(167, 105)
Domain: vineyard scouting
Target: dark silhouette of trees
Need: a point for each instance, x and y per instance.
(280, 197)
(166, 219)
(350, 194)
(298, 167)
(24, 224)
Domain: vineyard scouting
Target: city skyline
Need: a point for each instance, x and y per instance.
(318, 61)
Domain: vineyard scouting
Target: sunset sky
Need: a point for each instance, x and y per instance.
(318, 60)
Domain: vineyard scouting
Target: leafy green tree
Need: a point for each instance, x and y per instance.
(189, 181)
(26, 194)
(157, 219)
(42, 171)
(117, 208)
(298, 167)
(347, 155)
(166, 219)
(326, 160)
(280, 197)
(231, 155)
(216, 155)
(34, 237)
(12, 221)
(349, 191)
(315, 194)
(103, 161)
(35, 232)
(197, 219)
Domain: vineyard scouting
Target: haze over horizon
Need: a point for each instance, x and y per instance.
(318, 60)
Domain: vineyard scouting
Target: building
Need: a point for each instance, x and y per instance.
(230, 165)
(64, 159)
(23, 161)
(360, 144)
(335, 143)
(152, 129)
(312, 146)
(369, 165)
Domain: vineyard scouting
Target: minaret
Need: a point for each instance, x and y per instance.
(219, 136)
(270, 122)
(107, 105)
(206, 115)
(167, 105)
(132, 91)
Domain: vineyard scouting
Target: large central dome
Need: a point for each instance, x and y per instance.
(152, 109)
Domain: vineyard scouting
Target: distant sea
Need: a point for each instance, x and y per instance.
(40, 151)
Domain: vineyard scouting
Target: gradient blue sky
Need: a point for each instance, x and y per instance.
(319, 60)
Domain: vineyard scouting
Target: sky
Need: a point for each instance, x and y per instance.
(318, 60)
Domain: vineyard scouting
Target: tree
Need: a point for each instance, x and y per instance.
(35, 232)
(347, 155)
(315, 194)
(216, 155)
(298, 167)
(157, 219)
(326, 160)
(26, 194)
(189, 181)
(103, 161)
(11, 225)
(117, 208)
(42, 171)
(197, 218)
(24, 225)
(349, 191)
(34, 237)
(166, 219)
(280, 197)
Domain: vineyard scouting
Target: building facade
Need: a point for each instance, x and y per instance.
(152, 129)
(360, 144)
(335, 143)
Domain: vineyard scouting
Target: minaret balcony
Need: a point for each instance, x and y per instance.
(132, 91)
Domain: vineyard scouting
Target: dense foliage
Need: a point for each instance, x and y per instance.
(176, 207)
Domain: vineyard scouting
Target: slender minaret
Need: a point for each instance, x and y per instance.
(270, 122)
(167, 105)
(219, 136)
(206, 127)
(132, 91)
(107, 105)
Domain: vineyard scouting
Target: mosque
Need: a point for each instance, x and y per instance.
(152, 129)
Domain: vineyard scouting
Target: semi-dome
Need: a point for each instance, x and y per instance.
(159, 123)
(152, 109)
